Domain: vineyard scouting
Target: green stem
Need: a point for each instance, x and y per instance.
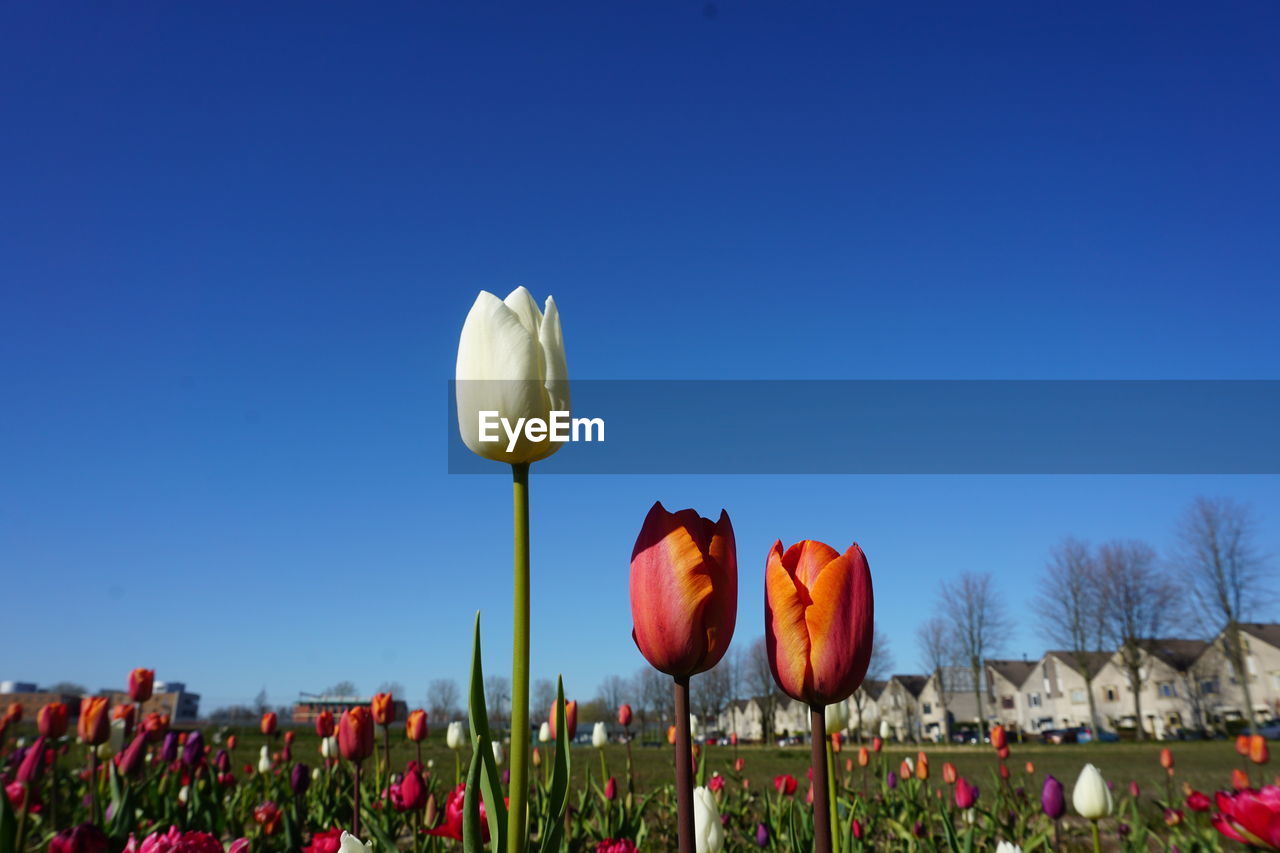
(831, 796)
(604, 769)
(1097, 841)
(519, 787)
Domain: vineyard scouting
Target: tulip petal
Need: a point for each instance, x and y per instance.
(786, 631)
(840, 625)
(551, 339)
(670, 586)
(721, 613)
(522, 304)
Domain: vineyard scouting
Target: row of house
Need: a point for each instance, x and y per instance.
(168, 697)
(1186, 685)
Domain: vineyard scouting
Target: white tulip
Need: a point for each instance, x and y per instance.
(599, 737)
(264, 760)
(837, 717)
(884, 729)
(1006, 847)
(708, 833)
(351, 844)
(510, 341)
(454, 736)
(116, 737)
(544, 733)
(1091, 796)
(329, 746)
(497, 752)
(183, 793)
(911, 765)
(104, 751)
(431, 762)
(315, 773)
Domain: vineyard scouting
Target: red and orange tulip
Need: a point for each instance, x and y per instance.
(13, 714)
(999, 738)
(415, 727)
(819, 613)
(355, 734)
(949, 774)
(1258, 752)
(127, 713)
(570, 718)
(383, 707)
(864, 756)
(51, 720)
(269, 723)
(684, 590)
(325, 725)
(141, 684)
(94, 725)
(922, 766)
(1242, 746)
(1166, 758)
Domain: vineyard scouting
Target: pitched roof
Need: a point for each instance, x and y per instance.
(1013, 671)
(1094, 661)
(1268, 633)
(1179, 653)
(874, 688)
(913, 684)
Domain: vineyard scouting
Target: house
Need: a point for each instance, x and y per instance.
(1056, 690)
(1221, 686)
(1006, 702)
(900, 706)
(1169, 692)
(947, 703)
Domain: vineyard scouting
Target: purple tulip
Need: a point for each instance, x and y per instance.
(222, 761)
(300, 779)
(762, 835)
(891, 780)
(169, 749)
(1052, 800)
(193, 752)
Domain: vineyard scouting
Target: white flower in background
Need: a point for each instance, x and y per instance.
(264, 760)
(1006, 847)
(351, 844)
(885, 731)
(599, 737)
(911, 765)
(117, 736)
(184, 793)
(497, 752)
(315, 773)
(510, 361)
(329, 746)
(837, 717)
(708, 832)
(454, 736)
(1091, 797)
(544, 732)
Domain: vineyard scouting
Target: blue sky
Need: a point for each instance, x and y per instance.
(237, 247)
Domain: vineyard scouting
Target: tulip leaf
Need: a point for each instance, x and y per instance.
(472, 833)
(558, 796)
(489, 781)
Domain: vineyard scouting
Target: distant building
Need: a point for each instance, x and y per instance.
(167, 697)
(32, 699)
(309, 706)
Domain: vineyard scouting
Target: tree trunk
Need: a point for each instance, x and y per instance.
(977, 695)
(1242, 672)
(1135, 682)
(1093, 706)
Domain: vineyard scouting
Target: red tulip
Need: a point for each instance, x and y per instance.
(1197, 802)
(51, 720)
(684, 590)
(624, 715)
(267, 816)
(1258, 752)
(85, 838)
(819, 614)
(864, 756)
(966, 793)
(1250, 817)
(14, 713)
(410, 793)
(154, 725)
(877, 744)
(1004, 772)
(785, 784)
(384, 709)
(355, 734)
(1242, 746)
(94, 726)
(1003, 752)
(1166, 758)
(949, 774)
(451, 826)
(999, 738)
(415, 727)
(611, 788)
(129, 761)
(738, 764)
(141, 684)
(32, 763)
(325, 724)
(231, 741)
(269, 723)
(329, 841)
(570, 718)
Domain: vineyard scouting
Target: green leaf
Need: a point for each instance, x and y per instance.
(558, 796)
(472, 834)
(490, 782)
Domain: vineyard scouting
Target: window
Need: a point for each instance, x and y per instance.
(1210, 686)
(1252, 665)
(928, 707)
(1110, 693)
(1006, 702)
(1167, 690)
(1046, 685)
(1033, 700)
(1078, 696)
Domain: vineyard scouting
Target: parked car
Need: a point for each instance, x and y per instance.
(1271, 730)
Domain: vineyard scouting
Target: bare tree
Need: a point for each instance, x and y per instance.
(878, 669)
(712, 691)
(1070, 607)
(938, 654)
(544, 694)
(442, 699)
(656, 697)
(613, 691)
(758, 679)
(345, 689)
(1221, 566)
(497, 697)
(978, 624)
(260, 703)
(1138, 602)
(395, 688)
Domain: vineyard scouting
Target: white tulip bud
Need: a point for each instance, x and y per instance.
(885, 731)
(837, 717)
(454, 736)
(183, 793)
(264, 760)
(599, 736)
(1006, 847)
(708, 832)
(497, 752)
(544, 733)
(351, 844)
(1091, 796)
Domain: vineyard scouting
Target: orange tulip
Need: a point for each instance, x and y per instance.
(141, 684)
(570, 718)
(154, 725)
(949, 774)
(864, 756)
(269, 723)
(127, 713)
(922, 767)
(1166, 758)
(671, 734)
(684, 590)
(837, 742)
(51, 720)
(384, 709)
(14, 713)
(1258, 752)
(998, 737)
(818, 620)
(355, 734)
(1030, 768)
(1242, 746)
(94, 724)
(415, 727)
(1239, 779)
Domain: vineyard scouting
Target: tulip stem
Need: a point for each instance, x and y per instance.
(519, 785)
(821, 801)
(1097, 841)
(684, 767)
(355, 814)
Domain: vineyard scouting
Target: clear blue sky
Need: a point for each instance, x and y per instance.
(237, 245)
